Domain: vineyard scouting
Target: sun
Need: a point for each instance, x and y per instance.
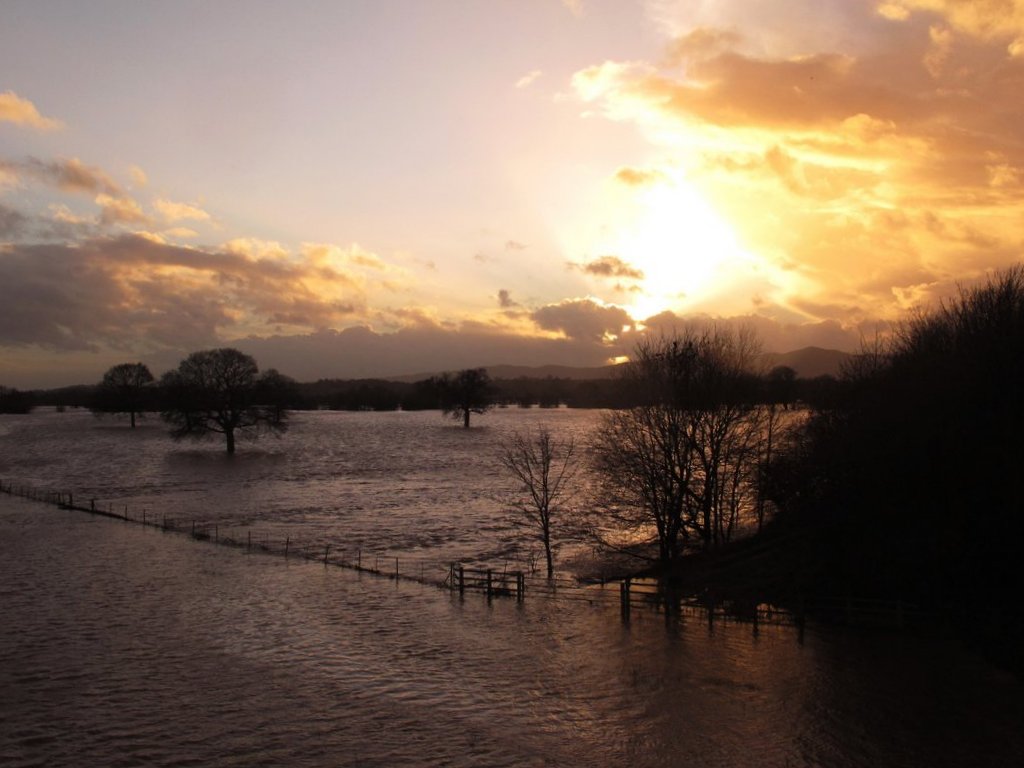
(683, 247)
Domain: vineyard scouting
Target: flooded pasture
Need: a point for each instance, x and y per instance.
(121, 645)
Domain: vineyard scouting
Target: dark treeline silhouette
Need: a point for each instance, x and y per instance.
(905, 482)
(385, 395)
(15, 401)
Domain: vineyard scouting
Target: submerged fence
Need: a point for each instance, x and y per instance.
(648, 593)
(431, 572)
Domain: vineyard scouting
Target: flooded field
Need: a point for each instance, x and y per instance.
(124, 646)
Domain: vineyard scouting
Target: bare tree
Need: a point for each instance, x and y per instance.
(545, 468)
(676, 465)
(123, 390)
(215, 391)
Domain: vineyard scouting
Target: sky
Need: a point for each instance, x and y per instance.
(385, 187)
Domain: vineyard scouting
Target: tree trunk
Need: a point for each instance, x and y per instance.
(547, 551)
(133, 418)
(229, 435)
(465, 418)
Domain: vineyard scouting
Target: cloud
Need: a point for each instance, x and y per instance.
(132, 291)
(68, 175)
(636, 177)
(576, 7)
(583, 319)
(513, 245)
(180, 232)
(505, 299)
(12, 222)
(139, 178)
(20, 111)
(119, 210)
(528, 79)
(856, 168)
(984, 19)
(173, 212)
(609, 266)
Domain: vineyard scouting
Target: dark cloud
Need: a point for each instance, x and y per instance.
(12, 222)
(131, 291)
(68, 174)
(360, 352)
(582, 319)
(505, 299)
(609, 266)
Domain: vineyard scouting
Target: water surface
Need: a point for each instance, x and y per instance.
(125, 646)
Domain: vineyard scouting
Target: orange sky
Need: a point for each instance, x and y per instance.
(385, 188)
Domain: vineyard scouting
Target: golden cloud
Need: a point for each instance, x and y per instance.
(836, 166)
(15, 109)
(119, 210)
(173, 212)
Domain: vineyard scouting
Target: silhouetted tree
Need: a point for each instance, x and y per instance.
(217, 391)
(679, 461)
(780, 386)
(468, 391)
(545, 468)
(277, 392)
(909, 484)
(125, 388)
(14, 401)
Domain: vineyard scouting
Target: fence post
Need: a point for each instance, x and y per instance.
(359, 558)
(396, 569)
(520, 586)
(624, 587)
(488, 583)
(287, 541)
(92, 505)
(327, 550)
(462, 581)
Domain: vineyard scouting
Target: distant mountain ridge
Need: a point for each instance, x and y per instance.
(808, 363)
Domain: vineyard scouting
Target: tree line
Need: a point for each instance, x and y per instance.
(386, 395)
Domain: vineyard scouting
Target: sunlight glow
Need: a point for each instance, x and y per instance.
(679, 242)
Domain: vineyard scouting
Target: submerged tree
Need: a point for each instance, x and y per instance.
(217, 391)
(124, 389)
(545, 468)
(679, 462)
(469, 391)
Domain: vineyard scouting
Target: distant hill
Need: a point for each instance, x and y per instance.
(808, 363)
(530, 372)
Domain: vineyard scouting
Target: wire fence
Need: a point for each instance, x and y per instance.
(628, 593)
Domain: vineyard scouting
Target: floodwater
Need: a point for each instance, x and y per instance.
(408, 484)
(122, 646)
